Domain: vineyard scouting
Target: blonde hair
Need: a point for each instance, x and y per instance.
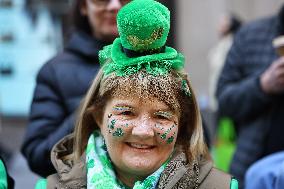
(190, 138)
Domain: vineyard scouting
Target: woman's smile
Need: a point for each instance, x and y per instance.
(140, 147)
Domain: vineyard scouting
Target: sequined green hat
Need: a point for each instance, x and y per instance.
(143, 27)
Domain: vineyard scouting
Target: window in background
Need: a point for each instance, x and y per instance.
(24, 47)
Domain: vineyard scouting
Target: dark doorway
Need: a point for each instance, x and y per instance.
(171, 6)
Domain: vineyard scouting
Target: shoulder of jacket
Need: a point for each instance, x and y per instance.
(52, 181)
(216, 179)
(259, 25)
(57, 65)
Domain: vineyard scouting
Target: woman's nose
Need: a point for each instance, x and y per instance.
(114, 5)
(143, 129)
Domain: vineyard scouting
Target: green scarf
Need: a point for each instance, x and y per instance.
(100, 173)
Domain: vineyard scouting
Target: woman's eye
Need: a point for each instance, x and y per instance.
(126, 113)
(162, 117)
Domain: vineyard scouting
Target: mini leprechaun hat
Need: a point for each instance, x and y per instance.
(143, 27)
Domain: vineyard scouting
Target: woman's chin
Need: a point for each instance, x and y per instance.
(141, 165)
(140, 169)
(141, 158)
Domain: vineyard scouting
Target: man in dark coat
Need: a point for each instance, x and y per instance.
(65, 79)
(251, 92)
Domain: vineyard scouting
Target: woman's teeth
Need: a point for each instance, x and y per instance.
(140, 146)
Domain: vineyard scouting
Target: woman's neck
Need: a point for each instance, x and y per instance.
(128, 179)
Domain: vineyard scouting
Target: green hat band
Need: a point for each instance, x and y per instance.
(155, 64)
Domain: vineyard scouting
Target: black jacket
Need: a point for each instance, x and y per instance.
(61, 84)
(259, 117)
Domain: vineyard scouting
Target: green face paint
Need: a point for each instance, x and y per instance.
(118, 133)
(170, 139)
(164, 135)
(111, 125)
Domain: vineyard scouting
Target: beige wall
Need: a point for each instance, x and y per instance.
(196, 30)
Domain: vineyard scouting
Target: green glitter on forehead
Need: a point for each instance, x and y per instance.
(143, 85)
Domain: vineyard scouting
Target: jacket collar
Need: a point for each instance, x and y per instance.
(186, 175)
(70, 173)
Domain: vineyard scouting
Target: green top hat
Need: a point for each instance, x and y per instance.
(143, 27)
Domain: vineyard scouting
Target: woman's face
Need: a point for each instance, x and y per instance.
(140, 134)
(102, 17)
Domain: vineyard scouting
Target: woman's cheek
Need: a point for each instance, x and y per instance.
(116, 127)
(166, 134)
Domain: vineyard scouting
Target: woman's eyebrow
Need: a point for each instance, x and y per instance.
(167, 113)
(122, 107)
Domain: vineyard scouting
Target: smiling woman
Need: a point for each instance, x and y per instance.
(138, 138)
(139, 125)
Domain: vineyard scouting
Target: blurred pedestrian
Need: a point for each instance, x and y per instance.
(251, 92)
(64, 80)
(228, 25)
(139, 126)
(267, 173)
(224, 142)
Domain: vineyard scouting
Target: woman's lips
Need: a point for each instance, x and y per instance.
(140, 146)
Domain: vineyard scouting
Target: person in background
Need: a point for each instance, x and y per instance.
(251, 92)
(139, 125)
(223, 127)
(64, 80)
(266, 173)
(227, 27)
